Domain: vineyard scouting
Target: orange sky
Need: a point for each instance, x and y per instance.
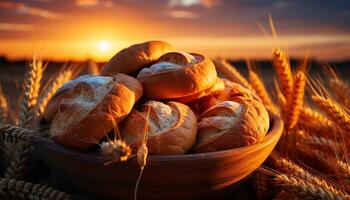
(97, 29)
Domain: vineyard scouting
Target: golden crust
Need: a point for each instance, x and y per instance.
(166, 137)
(215, 89)
(187, 80)
(232, 92)
(82, 124)
(249, 127)
(135, 57)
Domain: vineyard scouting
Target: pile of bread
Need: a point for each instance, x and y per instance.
(176, 96)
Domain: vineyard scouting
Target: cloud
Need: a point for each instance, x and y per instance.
(181, 14)
(30, 10)
(186, 3)
(15, 27)
(88, 3)
(83, 3)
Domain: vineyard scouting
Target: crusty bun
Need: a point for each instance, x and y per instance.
(214, 90)
(136, 57)
(172, 127)
(231, 124)
(231, 92)
(90, 106)
(177, 74)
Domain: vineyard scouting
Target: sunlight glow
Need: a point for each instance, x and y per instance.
(104, 46)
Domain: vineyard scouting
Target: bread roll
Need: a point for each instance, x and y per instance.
(172, 128)
(90, 106)
(135, 57)
(231, 124)
(232, 92)
(177, 74)
(214, 90)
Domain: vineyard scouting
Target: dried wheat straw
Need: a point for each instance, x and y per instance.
(12, 188)
(284, 73)
(232, 73)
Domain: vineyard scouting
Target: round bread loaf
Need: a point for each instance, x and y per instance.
(87, 108)
(136, 57)
(231, 92)
(214, 90)
(172, 128)
(176, 75)
(231, 124)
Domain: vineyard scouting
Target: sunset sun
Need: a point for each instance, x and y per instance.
(103, 46)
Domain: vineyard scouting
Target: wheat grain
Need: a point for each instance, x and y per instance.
(297, 98)
(51, 90)
(232, 73)
(334, 111)
(307, 190)
(12, 188)
(31, 91)
(284, 73)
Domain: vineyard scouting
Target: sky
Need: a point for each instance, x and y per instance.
(238, 29)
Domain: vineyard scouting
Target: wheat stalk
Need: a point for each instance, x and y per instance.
(284, 73)
(51, 90)
(26, 190)
(232, 73)
(307, 190)
(31, 91)
(297, 98)
(334, 111)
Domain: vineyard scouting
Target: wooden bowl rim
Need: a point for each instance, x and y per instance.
(273, 134)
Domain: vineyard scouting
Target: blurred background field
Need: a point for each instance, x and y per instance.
(13, 72)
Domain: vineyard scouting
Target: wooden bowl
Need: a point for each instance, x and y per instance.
(190, 176)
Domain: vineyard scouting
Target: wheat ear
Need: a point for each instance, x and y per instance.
(232, 73)
(284, 195)
(297, 99)
(341, 90)
(15, 134)
(26, 190)
(307, 190)
(31, 91)
(258, 85)
(300, 172)
(345, 167)
(51, 90)
(260, 182)
(4, 109)
(333, 110)
(284, 73)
